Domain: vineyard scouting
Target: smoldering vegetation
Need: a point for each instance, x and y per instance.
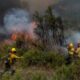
(15, 16)
(25, 5)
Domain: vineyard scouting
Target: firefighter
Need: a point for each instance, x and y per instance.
(78, 50)
(71, 51)
(10, 61)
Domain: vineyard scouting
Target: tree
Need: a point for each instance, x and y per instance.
(49, 29)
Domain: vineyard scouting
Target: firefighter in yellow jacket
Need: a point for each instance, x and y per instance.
(71, 51)
(10, 61)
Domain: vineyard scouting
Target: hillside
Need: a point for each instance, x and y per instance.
(42, 44)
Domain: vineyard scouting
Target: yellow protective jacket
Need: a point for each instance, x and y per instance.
(12, 57)
(71, 51)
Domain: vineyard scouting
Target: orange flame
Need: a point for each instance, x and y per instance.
(29, 35)
(14, 36)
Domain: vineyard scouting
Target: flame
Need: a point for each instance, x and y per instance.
(14, 36)
(28, 35)
(21, 35)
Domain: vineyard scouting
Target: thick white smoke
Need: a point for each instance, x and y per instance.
(18, 20)
(74, 38)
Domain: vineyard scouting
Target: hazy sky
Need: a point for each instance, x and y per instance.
(32, 5)
(40, 5)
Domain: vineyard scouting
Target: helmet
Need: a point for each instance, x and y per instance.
(71, 45)
(13, 49)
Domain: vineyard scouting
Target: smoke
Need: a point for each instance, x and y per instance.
(69, 9)
(31, 5)
(14, 14)
(73, 38)
(18, 20)
(40, 5)
(5, 5)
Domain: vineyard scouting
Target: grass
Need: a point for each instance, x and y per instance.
(65, 72)
(38, 65)
(30, 73)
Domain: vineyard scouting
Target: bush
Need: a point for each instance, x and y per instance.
(36, 57)
(29, 75)
(71, 72)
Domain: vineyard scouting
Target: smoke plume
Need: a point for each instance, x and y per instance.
(40, 5)
(14, 14)
(18, 20)
(73, 38)
(31, 5)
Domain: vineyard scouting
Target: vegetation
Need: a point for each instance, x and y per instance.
(41, 61)
(40, 58)
(50, 30)
(64, 72)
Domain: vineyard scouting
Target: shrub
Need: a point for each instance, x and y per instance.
(39, 76)
(71, 72)
(36, 57)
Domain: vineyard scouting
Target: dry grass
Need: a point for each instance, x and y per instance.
(30, 73)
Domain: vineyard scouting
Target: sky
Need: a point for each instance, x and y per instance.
(69, 9)
(33, 5)
(40, 5)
